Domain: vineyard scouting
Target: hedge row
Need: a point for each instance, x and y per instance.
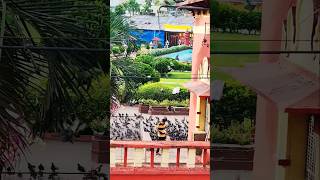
(161, 92)
(166, 102)
(159, 52)
(163, 64)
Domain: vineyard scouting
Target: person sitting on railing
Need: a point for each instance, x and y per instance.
(162, 133)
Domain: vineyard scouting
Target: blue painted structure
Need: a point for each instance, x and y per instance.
(145, 36)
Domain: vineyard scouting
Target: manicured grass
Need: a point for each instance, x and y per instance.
(176, 79)
(234, 43)
(179, 75)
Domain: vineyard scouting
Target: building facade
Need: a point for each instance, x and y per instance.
(287, 145)
(199, 115)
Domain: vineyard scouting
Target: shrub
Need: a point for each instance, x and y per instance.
(183, 103)
(116, 50)
(159, 52)
(143, 69)
(237, 103)
(146, 58)
(236, 133)
(160, 92)
(166, 102)
(174, 64)
(186, 67)
(163, 65)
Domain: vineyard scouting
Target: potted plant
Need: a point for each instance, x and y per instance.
(100, 144)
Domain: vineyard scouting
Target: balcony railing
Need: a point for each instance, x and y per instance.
(196, 154)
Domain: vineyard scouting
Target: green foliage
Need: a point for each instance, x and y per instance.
(166, 102)
(163, 65)
(237, 103)
(132, 74)
(147, 7)
(94, 106)
(132, 6)
(177, 65)
(228, 17)
(120, 9)
(160, 92)
(99, 126)
(236, 133)
(117, 49)
(146, 58)
(159, 52)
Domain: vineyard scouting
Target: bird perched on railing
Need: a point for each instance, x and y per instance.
(41, 169)
(32, 171)
(80, 168)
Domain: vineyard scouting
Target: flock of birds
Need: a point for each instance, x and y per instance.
(125, 127)
(38, 172)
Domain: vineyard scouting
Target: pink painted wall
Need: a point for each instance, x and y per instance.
(199, 52)
(265, 159)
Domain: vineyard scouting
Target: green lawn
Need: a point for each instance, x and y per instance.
(176, 79)
(234, 43)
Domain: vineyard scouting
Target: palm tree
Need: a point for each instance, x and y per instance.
(120, 29)
(53, 48)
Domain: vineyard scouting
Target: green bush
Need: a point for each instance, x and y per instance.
(116, 50)
(166, 102)
(174, 64)
(146, 58)
(143, 69)
(183, 103)
(236, 133)
(160, 92)
(159, 52)
(237, 103)
(163, 65)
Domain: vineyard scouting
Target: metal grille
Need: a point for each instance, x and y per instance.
(311, 151)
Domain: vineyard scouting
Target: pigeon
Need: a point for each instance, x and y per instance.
(32, 171)
(41, 169)
(54, 168)
(31, 167)
(81, 168)
(9, 171)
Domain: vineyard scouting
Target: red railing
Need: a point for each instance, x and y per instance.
(140, 147)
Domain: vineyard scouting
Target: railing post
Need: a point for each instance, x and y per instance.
(138, 157)
(112, 157)
(191, 158)
(165, 158)
(125, 158)
(152, 158)
(178, 157)
(204, 158)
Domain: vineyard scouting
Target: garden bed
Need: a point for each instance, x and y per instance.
(57, 137)
(232, 157)
(162, 110)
